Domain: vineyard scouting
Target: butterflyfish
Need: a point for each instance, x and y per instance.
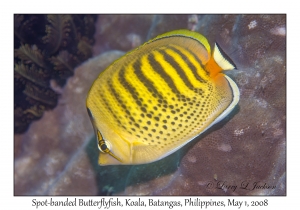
(158, 97)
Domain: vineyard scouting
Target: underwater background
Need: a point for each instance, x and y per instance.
(55, 151)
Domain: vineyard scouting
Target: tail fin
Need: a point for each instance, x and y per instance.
(222, 59)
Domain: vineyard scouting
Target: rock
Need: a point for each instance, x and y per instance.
(51, 156)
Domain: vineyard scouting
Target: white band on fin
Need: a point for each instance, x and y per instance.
(221, 60)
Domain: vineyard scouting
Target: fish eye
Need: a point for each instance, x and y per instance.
(105, 146)
(102, 144)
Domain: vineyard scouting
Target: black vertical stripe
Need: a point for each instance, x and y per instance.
(147, 83)
(127, 86)
(109, 108)
(195, 56)
(120, 102)
(160, 70)
(181, 72)
(189, 63)
(198, 60)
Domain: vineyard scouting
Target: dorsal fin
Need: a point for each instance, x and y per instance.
(222, 59)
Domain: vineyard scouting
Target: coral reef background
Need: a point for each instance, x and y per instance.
(57, 155)
(47, 49)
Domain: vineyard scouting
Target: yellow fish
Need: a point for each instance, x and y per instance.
(158, 97)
